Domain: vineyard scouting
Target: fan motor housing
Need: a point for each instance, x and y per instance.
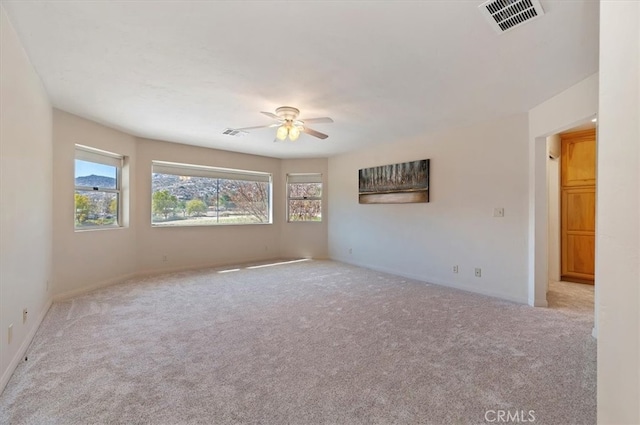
(288, 113)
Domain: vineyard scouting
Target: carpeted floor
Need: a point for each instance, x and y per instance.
(571, 298)
(302, 343)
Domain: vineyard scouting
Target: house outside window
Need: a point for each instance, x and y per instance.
(98, 180)
(196, 195)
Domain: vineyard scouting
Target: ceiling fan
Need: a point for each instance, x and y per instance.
(289, 125)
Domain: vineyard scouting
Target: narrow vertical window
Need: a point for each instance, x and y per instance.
(304, 197)
(98, 176)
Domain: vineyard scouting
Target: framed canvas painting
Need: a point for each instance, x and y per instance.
(407, 182)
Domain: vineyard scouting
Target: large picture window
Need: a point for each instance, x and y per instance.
(98, 176)
(194, 195)
(304, 197)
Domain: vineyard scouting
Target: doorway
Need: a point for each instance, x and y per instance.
(578, 206)
(571, 180)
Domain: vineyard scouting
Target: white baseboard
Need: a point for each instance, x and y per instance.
(438, 282)
(86, 289)
(540, 303)
(204, 266)
(23, 347)
(116, 280)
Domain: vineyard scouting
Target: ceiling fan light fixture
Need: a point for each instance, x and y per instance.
(294, 133)
(288, 125)
(282, 132)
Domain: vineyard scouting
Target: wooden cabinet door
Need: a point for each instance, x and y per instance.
(579, 159)
(578, 206)
(578, 233)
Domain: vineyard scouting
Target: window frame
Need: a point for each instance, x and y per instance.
(218, 173)
(304, 178)
(99, 156)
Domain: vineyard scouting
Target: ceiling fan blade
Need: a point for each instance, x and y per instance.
(317, 120)
(257, 127)
(271, 115)
(314, 133)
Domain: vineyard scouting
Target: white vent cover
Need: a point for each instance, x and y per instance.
(505, 15)
(234, 132)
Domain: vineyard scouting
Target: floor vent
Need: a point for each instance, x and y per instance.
(505, 15)
(233, 132)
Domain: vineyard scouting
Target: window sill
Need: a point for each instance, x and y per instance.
(305, 221)
(178, 226)
(99, 229)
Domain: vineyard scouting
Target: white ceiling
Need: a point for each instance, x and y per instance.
(183, 71)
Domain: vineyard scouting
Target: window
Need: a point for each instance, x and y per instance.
(304, 197)
(97, 188)
(194, 195)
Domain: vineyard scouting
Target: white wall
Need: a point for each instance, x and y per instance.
(553, 191)
(618, 215)
(85, 260)
(198, 246)
(306, 239)
(473, 170)
(91, 258)
(25, 199)
(574, 106)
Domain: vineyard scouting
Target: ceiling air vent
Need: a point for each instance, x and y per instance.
(505, 15)
(234, 132)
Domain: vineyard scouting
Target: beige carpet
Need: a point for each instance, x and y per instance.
(571, 298)
(302, 343)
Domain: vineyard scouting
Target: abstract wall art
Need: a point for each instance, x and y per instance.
(403, 183)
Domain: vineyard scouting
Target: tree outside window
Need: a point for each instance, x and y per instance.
(304, 197)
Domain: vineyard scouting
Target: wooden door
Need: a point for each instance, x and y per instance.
(578, 206)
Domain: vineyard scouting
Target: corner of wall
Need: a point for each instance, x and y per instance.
(22, 350)
(26, 157)
(573, 106)
(305, 240)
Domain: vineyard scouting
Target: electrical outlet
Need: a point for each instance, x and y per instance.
(498, 212)
(455, 269)
(47, 285)
(164, 258)
(350, 251)
(24, 315)
(478, 272)
(10, 334)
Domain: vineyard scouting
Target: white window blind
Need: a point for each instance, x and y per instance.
(304, 178)
(85, 153)
(178, 169)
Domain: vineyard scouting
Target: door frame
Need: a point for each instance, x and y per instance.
(538, 212)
